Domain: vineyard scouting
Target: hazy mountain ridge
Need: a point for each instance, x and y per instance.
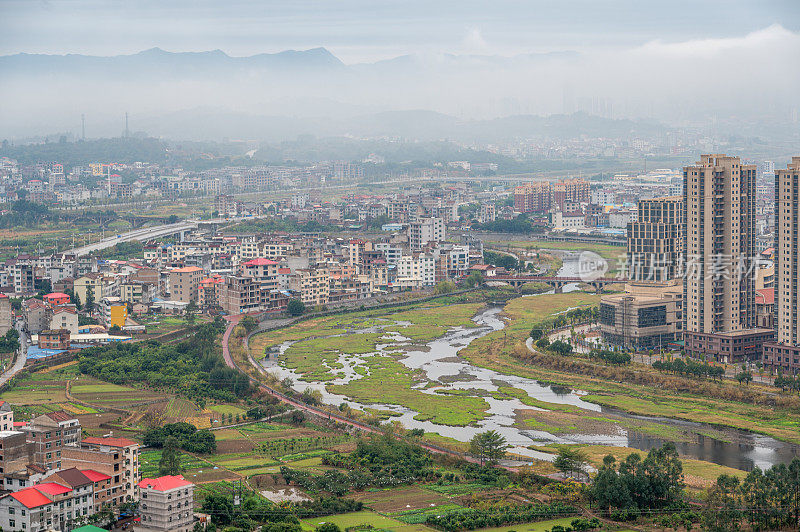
(155, 60)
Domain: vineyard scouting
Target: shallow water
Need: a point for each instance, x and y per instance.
(441, 364)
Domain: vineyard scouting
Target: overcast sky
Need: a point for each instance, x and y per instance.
(368, 30)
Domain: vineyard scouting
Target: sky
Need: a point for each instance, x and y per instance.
(369, 30)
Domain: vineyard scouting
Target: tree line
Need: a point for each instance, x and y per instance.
(193, 368)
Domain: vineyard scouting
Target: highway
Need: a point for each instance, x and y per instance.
(141, 235)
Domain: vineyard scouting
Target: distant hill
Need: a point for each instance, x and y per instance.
(157, 62)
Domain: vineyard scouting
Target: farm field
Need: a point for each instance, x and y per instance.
(366, 517)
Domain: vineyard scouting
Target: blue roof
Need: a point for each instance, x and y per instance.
(36, 352)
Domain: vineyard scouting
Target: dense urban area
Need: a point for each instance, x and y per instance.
(399, 266)
(429, 346)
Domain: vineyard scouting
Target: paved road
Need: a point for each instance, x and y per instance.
(140, 235)
(22, 356)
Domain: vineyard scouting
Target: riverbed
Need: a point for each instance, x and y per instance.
(445, 370)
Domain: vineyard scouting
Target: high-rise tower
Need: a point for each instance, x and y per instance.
(720, 261)
(784, 353)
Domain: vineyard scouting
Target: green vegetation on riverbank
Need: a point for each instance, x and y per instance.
(651, 394)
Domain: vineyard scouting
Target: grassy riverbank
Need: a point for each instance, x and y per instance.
(776, 416)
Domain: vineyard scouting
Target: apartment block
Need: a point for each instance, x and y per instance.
(312, 284)
(116, 457)
(424, 231)
(655, 241)
(166, 504)
(719, 280)
(183, 283)
(533, 197)
(783, 354)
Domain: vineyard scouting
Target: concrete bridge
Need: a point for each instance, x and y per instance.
(556, 282)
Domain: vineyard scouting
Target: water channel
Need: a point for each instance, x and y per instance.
(440, 363)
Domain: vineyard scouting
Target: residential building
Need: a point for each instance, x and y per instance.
(137, 292)
(424, 231)
(35, 313)
(655, 241)
(487, 213)
(183, 283)
(312, 284)
(719, 281)
(121, 462)
(48, 434)
(166, 504)
(6, 315)
(101, 487)
(239, 294)
(6, 416)
(533, 197)
(570, 190)
(113, 312)
(54, 339)
(90, 282)
(13, 454)
(783, 354)
(66, 318)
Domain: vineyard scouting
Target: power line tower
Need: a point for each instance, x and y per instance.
(83, 126)
(127, 132)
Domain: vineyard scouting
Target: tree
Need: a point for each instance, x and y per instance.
(474, 279)
(191, 308)
(571, 461)
(249, 323)
(536, 333)
(298, 416)
(295, 307)
(543, 342)
(560, 347)
(219, 507)
(489, 446)
(328, 527)
(170, 463)
(89, 304)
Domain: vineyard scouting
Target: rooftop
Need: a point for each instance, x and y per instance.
(111, 442)
(31, 498)
(164, 483)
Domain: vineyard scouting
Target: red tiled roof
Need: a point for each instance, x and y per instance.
(164, 483)
(260, 262)
(111, 442)
(56, 295)
(765, 296)
(31, 498)
(187, 269)
(59, 416)
(95, 476)
(52, 488)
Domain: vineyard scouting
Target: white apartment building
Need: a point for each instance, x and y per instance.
(166, 504)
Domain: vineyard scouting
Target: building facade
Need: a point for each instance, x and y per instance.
(783, 354)
(720, 268)
(655, 240)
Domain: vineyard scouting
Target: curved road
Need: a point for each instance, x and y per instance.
(22, 356)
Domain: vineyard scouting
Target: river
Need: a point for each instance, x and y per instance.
(439, 360)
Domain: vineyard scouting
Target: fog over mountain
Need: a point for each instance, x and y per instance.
(208, 95)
